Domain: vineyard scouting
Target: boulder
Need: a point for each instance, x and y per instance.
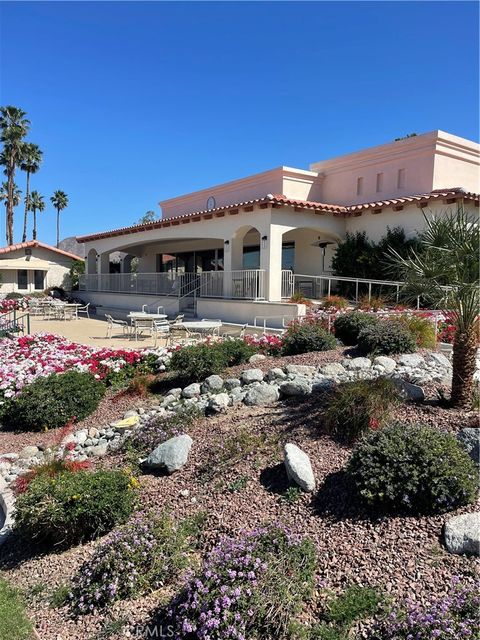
(232, 383)
(191, 391)
(251, 375)
(411, 360)
(130, 414)
(275, 374)
(462, 534)
(177, 392)
(469, 437)
(296, 387)
(332, 369)
(298, 467)
(170, 456)
(168, 400)
(212, 384)
(237, 395)
(410, 391)
(219, 402)
(257, 357)
(357, 364)
(261, 393)
(387, 364)
(28, 452)
(301, 370)
(438, 359)
(98, 450)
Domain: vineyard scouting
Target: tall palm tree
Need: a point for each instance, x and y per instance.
(447, 273)
(30, 163)
(16, 199)
(60, 202)
(35, 203)
(14, 127)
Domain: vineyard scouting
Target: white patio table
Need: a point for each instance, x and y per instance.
(202, 326)
(141, 320)
(142, 315)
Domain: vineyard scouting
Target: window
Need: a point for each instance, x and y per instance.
(288, 256)
(39, 280)
(22, 279)
(251, 257)
(359, 186)
(401, 179)
(379, 182)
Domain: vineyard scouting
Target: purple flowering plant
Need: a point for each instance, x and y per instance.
(142, 556)
(249, 587)
(452, 617)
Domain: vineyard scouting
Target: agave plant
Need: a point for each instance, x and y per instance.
(447, 274)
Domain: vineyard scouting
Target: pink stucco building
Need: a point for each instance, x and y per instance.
(238, 246)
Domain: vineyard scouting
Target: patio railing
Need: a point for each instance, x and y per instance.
(318, 287)
(246, 284)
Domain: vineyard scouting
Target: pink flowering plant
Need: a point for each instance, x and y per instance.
(24, 359)
(144, 555)
(250, 587)
(270, 345)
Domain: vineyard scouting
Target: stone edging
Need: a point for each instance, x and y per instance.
(7, 504)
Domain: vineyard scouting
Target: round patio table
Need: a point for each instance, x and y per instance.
(204, 326)
(142, 315)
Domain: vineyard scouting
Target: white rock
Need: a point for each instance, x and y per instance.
(357, 364)
(219, 402)
(410, 391)
(275, 374)
(298, 467)
(251, 375)
(411, 360)
(257, 357)
(462, 534)
(438, 359)
(261, 393)
(296, 387)
(171, 455)
(333, 369)
(387, 363)
(212, 384)
(191, 391)
(301, 369)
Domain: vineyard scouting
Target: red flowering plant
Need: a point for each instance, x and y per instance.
(270, 345)
(57, 459)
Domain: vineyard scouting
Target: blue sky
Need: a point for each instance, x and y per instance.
(136, 102)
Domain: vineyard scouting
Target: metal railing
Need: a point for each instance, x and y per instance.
(246, 284)
(318, 287)
(15, 321)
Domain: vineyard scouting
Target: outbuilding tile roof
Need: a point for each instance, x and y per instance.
(36, 243)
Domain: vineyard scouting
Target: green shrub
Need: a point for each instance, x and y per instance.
(197, 362)
(144, 555)
(14, 295)
(355, 603)
(422, 329)
(356, 407)
(14, 623)
(386, 338)
(348, 325)
(53, 401)
(303, 337)
(72, 507)
(413, 468)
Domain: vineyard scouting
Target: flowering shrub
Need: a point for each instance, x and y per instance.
(71, 507)
(144, 555)
(57, 459)
(13, 304)
(270, 345)
(306, 336)
(356, 407)
(335, 303)
(24, 359)
(413, 468)
(374, 303)
(453, 617)
(248, 588)
(51, 402)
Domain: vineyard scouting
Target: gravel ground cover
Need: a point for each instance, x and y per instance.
(235, 475)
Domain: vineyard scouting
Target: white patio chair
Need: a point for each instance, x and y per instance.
(112, 322)
(161, 328)
(84, 310)
(141, 325)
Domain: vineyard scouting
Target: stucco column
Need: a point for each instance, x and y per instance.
(103, 271)
(232, 261)
(271, 263)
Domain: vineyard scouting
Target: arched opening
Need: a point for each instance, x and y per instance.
(92, 261)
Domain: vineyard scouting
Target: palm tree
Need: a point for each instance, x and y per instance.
(30, 163)
(16, 198)
(14, 127)
(60, 202)
(36, 203)
(447, 274)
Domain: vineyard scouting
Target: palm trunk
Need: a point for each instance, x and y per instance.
(464, 365)
(58, 227)
(25, 214)
(9, 216)
(34, 233)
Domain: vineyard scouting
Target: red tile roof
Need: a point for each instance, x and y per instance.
(36, 243)
(281, 200)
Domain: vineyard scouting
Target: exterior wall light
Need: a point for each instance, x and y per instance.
(227, 245)
(264, 242)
